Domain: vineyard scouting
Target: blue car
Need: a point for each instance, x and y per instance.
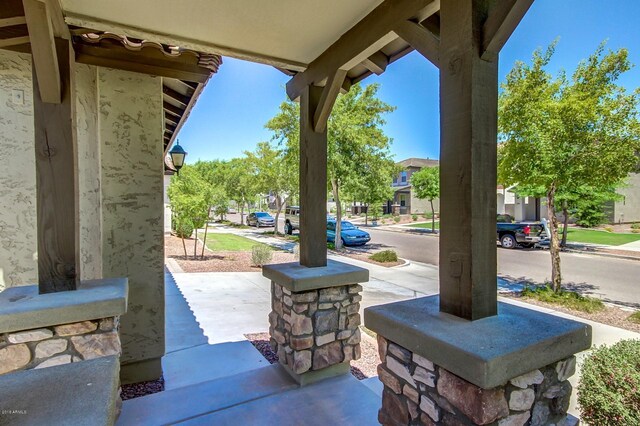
(351, 236)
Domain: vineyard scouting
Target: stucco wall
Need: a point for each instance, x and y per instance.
(131, 126)
(627, 210)
(18, 245)
(90, 219)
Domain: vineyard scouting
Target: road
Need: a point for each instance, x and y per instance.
(615, 280)
(611, 279)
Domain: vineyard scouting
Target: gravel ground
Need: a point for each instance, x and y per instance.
(363, 368)
(136, 390)
(613, 316)
(223, 261)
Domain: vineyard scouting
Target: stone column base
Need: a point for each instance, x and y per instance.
(510, 369)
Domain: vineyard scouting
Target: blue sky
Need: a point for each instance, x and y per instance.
(230, 115)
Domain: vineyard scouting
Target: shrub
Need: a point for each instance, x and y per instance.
(184, 229)
(414, 217)
(635, 317)
(608, 228)
(396, 219)
(261, 254)
(427, 215)
(635, 225)
(636, 231)
(384, 256)
(569, 299)
(609, 390)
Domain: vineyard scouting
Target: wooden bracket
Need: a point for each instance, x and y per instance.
(421, 39)
(376, 63)
(327, 99)
(502, 21)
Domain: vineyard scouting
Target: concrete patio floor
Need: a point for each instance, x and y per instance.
(213, 375)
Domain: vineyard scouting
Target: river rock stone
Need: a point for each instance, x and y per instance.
(515, 420)
(47, 348)
(411, 393)
(430, 408)
(300, 324)
(327, 355)
(301, 361)
(566, 368)
(75, 328)
(325, 338)
(29, 335)
(400, 353)
(394, 407)
(522, 400)
(424, 376)
(299, 343)
(108, 324)
(305, 297)
(382, 347)
(534, 377)
(56, 360)
(400, 370)
(14, 357)
(423, 362)
(389, 380)
(326, 321)
(97, 345)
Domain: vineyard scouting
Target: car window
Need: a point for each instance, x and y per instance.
(331, 226)
(347, 225)
(262, 214)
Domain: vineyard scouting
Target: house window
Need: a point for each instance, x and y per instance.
(403, 200)
(403, 177)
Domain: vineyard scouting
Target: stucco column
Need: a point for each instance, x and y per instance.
(131, 128)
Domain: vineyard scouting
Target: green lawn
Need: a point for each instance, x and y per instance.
(426, 225)
(598, 237)
(228, 242)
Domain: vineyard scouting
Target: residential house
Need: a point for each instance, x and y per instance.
(404, 197)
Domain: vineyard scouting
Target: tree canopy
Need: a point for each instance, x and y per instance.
(426, 183)
(565, 136)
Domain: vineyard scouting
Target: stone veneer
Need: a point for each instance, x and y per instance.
(316, 329)
(418, 392)
(59, 344)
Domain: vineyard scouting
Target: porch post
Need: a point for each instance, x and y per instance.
(468, 152)
(56, 180)
(313, 182)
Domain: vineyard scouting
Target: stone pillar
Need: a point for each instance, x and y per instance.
(315, 319)
(131, 152)
(508, 369)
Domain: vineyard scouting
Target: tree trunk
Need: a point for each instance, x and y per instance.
(554, 245)
(206, 229)
(338, 240)
(433, 217)
(195, 244)
(242, 213)
(184, 246)
(565, 212)
(366, 214)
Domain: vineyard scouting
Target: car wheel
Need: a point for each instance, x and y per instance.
(343, 243)
(527, 245)
(508, 241)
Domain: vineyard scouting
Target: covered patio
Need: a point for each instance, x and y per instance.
(94, 96)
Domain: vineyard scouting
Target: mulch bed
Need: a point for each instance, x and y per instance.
(611, 315)
(136, 390)
(361, 369)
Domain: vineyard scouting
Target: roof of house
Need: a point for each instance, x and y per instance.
(419, 162)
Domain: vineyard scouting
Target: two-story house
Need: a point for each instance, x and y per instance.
(404, 197)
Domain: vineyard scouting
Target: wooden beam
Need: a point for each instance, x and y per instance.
(148, 61)
(171, 119)
(313, 182)
(468, 164)
(421, 39)
(60, 28)
(376, 63)
(327, 99)
(9, 22)
(378, 24)
(178, 97)
(6, 42)
(500, 24)
(56, 181)
(43, 49)
(172, 109)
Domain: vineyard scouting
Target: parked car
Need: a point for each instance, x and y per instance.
(258, 219)
(291, 219)
(350, 234)
(526, 234)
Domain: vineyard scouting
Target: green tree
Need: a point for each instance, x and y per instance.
(240, 184)
(426, 183)
(562, 133)
(354, 139)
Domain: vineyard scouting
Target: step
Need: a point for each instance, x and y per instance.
(339, 401)
(172, 406)
(209, 362)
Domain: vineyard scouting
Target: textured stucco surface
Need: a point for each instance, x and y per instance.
(18, 245)
(131, 117)
(89, 172)
(627, 209)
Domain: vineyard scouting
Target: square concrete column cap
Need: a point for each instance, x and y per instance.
(487, 352)
(23, 308)
(296, 277)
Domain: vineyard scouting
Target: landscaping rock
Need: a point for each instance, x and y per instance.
(14, 357)
(75, 328)
(51, 347)
(97, 345)
(534, 377)
(29, 335)
(521, 400)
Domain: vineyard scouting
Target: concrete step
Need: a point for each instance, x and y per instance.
(339, 401)
(209, 362)
(174, 406)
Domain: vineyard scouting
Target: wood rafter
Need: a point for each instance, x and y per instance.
(500, 24)
(43, 49)
(6, 42)
(178, 97)
(376, 63)
(358, 43)
(421, 39)
(172, 109)
(327, 99)
(9, 22)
